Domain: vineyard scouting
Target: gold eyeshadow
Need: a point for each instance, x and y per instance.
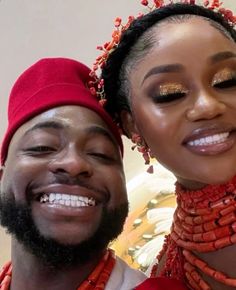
(171, 88)
(223, 75)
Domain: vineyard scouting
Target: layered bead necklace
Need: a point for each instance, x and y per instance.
(97, 280)
(204, 221)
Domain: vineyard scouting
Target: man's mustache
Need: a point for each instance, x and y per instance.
(63, 179)
(67, 180)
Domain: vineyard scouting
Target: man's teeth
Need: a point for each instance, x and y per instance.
(209, 140)
(67, 200)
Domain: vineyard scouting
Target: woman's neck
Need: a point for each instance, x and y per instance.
(190, 184)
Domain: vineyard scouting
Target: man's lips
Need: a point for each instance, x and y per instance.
(65, 199)
(70, 195)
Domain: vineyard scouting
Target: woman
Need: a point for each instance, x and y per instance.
(171, 84)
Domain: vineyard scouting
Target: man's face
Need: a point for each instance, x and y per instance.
(64, 172)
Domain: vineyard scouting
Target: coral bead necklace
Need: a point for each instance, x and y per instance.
(204, 221)
(97, 280)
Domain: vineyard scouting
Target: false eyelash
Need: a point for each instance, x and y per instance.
(165, 98)
(225, 84)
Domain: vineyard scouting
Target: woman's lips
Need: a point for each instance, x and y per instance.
(213, 148)
(211, 140)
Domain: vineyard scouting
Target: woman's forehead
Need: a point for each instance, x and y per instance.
(193, 37)
(191, 26)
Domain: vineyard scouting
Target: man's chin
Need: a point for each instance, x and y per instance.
(70, 235)
(60, 252)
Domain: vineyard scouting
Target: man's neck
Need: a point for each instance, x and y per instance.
(29, 272)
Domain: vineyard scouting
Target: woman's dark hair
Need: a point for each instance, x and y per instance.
(138, 40)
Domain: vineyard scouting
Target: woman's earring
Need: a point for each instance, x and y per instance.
(1, 171)
(142, 147)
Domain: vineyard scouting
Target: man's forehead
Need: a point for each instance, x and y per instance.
(66, 118)
(68, 113)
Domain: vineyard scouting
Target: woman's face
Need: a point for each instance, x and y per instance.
(183, 99)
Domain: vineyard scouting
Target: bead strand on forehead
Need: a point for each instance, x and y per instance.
(204, 221)
(97, 280)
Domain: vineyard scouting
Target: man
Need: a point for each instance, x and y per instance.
(63, 196)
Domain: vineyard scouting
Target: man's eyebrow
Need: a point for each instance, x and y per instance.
(44, 125)
(223, 55)
(97, 130)
(169, 68)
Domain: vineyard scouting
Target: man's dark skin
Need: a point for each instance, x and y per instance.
(66, 150)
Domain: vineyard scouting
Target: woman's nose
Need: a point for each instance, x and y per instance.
(205, 107)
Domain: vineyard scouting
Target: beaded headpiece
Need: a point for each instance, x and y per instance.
(97, 86)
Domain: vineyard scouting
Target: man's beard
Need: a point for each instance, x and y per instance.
(18, 220)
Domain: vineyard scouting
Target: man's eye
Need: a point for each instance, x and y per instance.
(102, 156)
(39, 149)
(225, 84)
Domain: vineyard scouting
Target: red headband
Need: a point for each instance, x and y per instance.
(50, 83)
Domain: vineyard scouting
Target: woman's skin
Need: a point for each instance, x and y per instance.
(188, 85)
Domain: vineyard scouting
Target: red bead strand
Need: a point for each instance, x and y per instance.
(204, 221)
(97, 280)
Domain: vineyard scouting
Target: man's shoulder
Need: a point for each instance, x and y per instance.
(123, 277)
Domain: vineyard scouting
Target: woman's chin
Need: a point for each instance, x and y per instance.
(202, 182)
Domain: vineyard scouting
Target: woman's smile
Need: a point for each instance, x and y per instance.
(211, 140)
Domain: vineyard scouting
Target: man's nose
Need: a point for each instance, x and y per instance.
(73, 162)
(205, 107)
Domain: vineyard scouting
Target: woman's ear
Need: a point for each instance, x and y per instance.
(128, 124)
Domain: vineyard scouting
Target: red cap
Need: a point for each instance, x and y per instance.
(49, 83)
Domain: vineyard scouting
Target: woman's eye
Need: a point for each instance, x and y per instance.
(169, 97)
(169, 92)
(225, 78)
(225, 84)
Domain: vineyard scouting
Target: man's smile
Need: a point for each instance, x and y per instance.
(67, 200)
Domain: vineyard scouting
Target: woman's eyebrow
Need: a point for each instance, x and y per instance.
(168, 68)
(223, 55)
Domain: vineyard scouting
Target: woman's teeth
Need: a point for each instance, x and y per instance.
(67, 200)
(209, 140)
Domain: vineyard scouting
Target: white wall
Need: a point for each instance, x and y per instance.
(33, 29)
